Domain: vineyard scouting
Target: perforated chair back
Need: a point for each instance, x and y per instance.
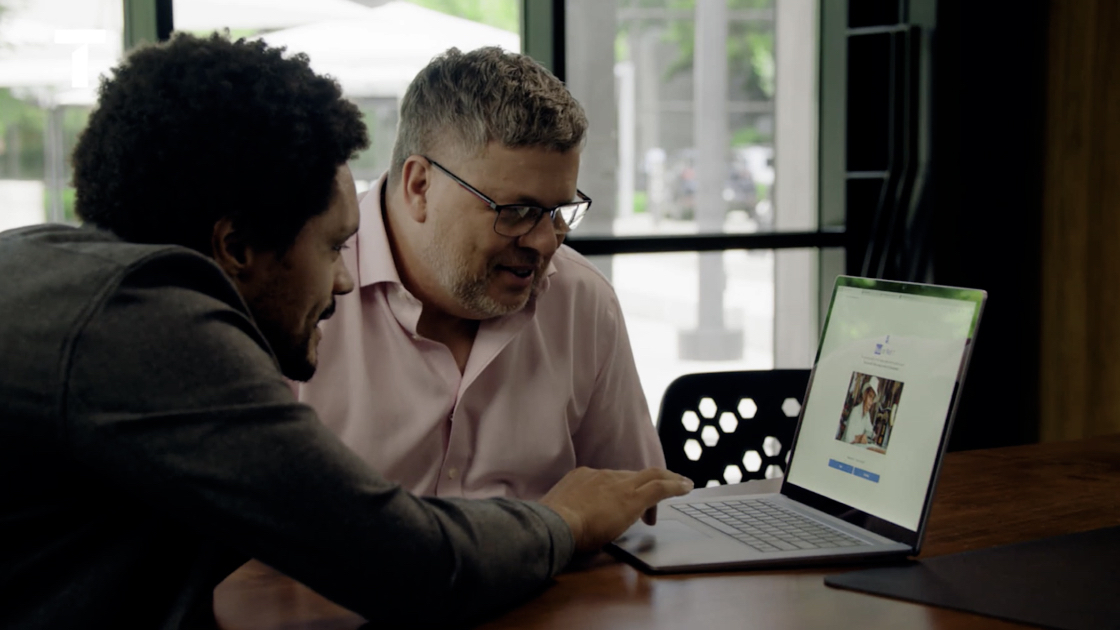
(726, 427)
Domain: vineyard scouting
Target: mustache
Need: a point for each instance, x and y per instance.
(529, 260)
(329, 312)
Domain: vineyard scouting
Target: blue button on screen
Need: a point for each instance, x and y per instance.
(832, 463)
(865, 474)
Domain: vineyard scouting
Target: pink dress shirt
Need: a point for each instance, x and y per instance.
(544, 390)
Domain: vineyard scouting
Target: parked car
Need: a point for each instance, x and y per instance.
(739, 191)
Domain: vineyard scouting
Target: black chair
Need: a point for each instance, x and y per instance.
(715, 423)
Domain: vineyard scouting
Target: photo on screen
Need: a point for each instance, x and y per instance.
(870, 408)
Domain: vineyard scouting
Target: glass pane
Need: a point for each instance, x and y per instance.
(51, 55)
(372, 47)
(706, 121)
(706, 312)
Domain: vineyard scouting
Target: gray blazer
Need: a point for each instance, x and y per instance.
(149, 445)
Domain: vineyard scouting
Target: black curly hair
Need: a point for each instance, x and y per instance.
(194, 130)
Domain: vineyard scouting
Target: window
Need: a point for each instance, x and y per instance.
(664, 318)
(703, 156)
(372, 47)
(52, 55)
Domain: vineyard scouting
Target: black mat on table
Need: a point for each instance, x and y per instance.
(1069, 582)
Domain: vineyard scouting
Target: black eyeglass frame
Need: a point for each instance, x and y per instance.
(540, 211)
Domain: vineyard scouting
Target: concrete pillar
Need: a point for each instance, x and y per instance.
(711, 340)
(627, 135)
(643, 47)
(54, 163)
(592, 26)
(796, 325)
(14, 148)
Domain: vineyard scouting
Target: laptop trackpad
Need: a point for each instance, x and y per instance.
(642, 538)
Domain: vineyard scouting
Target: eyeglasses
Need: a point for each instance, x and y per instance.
(518, 219)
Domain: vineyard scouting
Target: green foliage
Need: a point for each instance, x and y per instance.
(750, 45)
(504, 14)
(22, 129)
(14, 111)
(621, 46)
(746, 135)
(68, 197)
(761, 53)
(641, 201)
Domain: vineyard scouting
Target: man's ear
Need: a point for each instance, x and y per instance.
(230, 250)
(416, 178)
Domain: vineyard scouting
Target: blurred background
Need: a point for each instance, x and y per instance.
(742, 153)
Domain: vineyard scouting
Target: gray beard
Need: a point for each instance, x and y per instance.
(453, 275)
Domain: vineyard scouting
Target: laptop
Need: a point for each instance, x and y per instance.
(867, 449)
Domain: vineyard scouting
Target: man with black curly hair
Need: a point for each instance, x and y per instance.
(149, 443)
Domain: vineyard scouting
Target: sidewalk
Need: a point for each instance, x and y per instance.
(659, 297)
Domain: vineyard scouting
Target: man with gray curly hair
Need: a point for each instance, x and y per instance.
(480, 356)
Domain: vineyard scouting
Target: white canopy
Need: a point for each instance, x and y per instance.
(100, 14)
(370, 51)
(379, 54)
(206, 15)
(33, 60)
(58, 61)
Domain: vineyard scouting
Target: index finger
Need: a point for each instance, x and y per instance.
(643, 477)
(653, 492)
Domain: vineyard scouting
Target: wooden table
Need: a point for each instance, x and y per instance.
(985, 498)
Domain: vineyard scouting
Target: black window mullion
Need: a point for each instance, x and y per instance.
(611, 245)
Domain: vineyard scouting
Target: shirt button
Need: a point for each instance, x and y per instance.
(452, 473)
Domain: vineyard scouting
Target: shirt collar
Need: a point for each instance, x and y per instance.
(375, 256)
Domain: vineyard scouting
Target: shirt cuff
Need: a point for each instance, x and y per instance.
(563, 544)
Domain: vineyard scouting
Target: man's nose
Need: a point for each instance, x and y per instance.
(542, 238)
(343, 282)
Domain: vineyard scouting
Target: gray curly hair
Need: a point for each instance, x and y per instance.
(482, 96)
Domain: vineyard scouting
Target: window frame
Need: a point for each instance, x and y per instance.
(544, 39)
(146, 21)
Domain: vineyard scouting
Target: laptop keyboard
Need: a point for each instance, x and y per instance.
(764, 526)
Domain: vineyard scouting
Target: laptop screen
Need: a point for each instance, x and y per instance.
(887, 372)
